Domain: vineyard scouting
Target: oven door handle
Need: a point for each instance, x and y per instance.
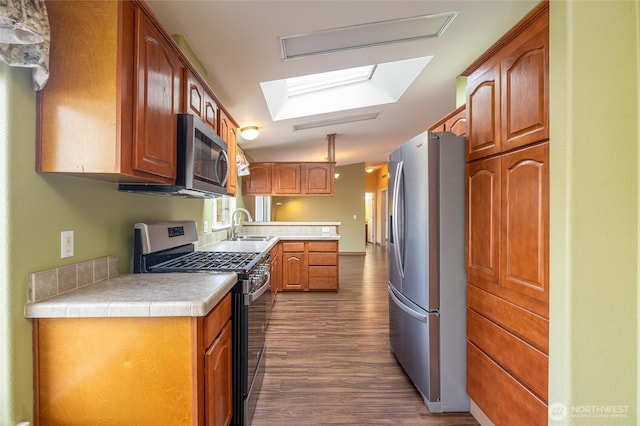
(251, 297)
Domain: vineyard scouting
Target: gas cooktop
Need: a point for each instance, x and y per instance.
(200, 261)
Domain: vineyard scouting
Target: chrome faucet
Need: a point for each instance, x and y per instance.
(234, 225)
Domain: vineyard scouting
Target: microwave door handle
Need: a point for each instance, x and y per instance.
(223, 181)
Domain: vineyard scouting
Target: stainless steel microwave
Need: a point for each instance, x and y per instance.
(202, 163)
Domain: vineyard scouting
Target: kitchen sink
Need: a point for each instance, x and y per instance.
(251, 238)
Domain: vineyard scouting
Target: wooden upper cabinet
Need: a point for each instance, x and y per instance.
(194, 95)
(290, 179)
(525, 222)
(319, 178)
(210, 112)
(286, 178)
(508, 96)
(227, 131)
(258, 181)
(455, 122)
(483, 110)
(525, 89)
(158, 101)
(200, 102)
(458, 123)
(483, 220)
(109, 109)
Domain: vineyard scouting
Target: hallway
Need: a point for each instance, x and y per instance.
(329, 360)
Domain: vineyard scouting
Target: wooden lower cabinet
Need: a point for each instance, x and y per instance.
(275, 269)
(142, 370)
(323, 265)
(294, 266)
(310, 266)
(503, 398)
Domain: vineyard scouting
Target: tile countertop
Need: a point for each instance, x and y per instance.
(139, 295)
(261, 246)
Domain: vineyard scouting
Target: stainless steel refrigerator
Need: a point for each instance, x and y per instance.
(427, 306)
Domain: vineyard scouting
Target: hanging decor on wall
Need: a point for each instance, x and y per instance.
(24, 37)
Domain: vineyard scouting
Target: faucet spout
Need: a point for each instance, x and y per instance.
(235, 224)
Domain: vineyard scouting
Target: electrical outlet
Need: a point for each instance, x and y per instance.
(325, 230)
(66, 244)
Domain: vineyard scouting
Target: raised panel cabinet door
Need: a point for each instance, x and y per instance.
(195, 95)
(458, 124)
(218, 380)
(227, 131)
(286, 178)
(294, 271)
(483, 114)
(258, 181)
(319, 178)
(525, 89)
(210, 112)
(158, 100)
(482, 248)
(525, 221)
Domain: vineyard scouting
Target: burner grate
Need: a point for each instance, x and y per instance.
(210, 261)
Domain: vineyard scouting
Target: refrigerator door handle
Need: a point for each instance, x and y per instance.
(396, 197)
(415, 314)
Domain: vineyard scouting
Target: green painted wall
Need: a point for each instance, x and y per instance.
(36, 208)
(348, 201)
(594, 77)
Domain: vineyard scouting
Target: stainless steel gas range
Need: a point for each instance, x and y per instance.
(165, 247)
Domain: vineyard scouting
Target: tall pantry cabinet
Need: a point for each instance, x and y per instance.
(507, 225)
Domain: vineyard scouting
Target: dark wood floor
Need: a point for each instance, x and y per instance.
(329, 361)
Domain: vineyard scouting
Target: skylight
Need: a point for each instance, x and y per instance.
(315, 82)
(311, 95)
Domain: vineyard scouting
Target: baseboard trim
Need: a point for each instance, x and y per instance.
(352, 253)
(479, 415)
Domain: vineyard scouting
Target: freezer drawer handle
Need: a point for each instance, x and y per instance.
(415, 314)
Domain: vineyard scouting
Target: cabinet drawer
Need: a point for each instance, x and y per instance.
(323, 246)
(527, 364)
(323, 259)
(323, 278)
(216, 319)
(293, 246)
(530, 327)
(497, 393)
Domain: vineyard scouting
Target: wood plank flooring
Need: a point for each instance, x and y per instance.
(329, 361)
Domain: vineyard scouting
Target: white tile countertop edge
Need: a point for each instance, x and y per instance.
(139, 295)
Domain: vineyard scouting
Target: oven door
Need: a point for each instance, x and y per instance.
(258, 305)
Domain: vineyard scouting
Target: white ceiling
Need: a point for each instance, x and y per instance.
(238, 43)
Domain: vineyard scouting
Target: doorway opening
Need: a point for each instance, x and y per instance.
(370, 217)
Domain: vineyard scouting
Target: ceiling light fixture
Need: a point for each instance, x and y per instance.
(366, 35)
(249, 133)
(369, 170)
(335, 121)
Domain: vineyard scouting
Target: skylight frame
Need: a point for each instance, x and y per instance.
(297, 86)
